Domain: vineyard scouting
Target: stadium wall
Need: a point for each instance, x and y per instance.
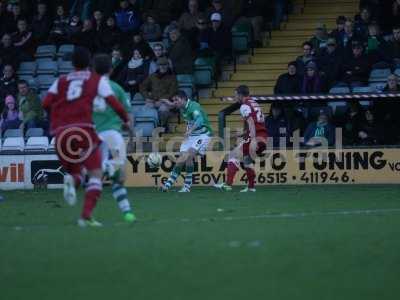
(290, 167)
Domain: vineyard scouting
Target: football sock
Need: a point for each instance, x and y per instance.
(93, 193)
(173, 177)
(189, 176)
(251, 175)
(120, 194)
(232, 170)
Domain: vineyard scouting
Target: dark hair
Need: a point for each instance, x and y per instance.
(292, 63)
(102, 63)
(307, 43)
(341, 20)
(81, 58)
(23, 82)
(182, 94)
(243, 90)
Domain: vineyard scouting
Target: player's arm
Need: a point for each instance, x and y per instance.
(50, 97)
(105, 91)
(245, 112)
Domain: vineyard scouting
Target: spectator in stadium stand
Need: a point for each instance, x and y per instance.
(10, 117)
(118, 64)
(395, 14)
(252, 11)
(23, 41)
(109, 36)
(74, 27)
(6, 19)
(139, 43)
(217, 6)
(392, 48)
(312, 82)
(370, 131)
(128, 20)
(81, 8)
(220, 40)
(290, 82)
(338, 32)
(41, 24)
(98, 21)
(158, 89)
(375, 44)
(151, 30)
(159, 51)
(16, 14)
(278, 126)
(353, 119)
(8, 52)
(180, 53)
(361, 23)
(188, 20)
(321, 132)
(347, 37)
(320, 38)
(86, 37)
(171, 26)
(356, 67)
(330, 62)
(201, 36)
(135, 72)
(31, 111)
(303, 60)
(8, 84)
(58, 30)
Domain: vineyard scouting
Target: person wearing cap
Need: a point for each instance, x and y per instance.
(220, 40)
(330, 62)
(159, 51)
(217, 6)
(321, 132)
(320, 38)
(356, 66)
(10, 117)
(312, 82)
(180, 53)
(158, 90)
(290, 82)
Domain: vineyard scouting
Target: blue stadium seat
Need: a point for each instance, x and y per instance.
(27, 68)
(186, 84)
(37, 143)
(65, 50)
(46, 67)
(339, 90)
(363, 89)
(11, 133)
(46, 51)
(377, 86)
(147, 113)
(30, 80)
(65, 67)
(34, 132)
(379, 75)
(13, 144)
(397, 72)
(45, 81)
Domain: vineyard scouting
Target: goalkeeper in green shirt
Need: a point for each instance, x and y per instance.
(109, 127)
(197, 138)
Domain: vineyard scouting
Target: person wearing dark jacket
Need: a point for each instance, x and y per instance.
(41, 24)
(127, 19)
(135, 72)
(8, 52)
(180, 53)
(278, 127)
(312, 82)
(8, 84)
(338, 32)
(303, 60)
(58, 30)
(391, 50)
(86, 37)
(23, 41)
(220, 40)
(352, 121)
(290, 82)
(370, 131)
(356, 67)
(109, 36)
(330, 61)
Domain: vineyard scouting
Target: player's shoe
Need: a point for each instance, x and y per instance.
(69, 190)
(89, 223)
(129, 217)
(164, 189)
(184, 189)
(248, 190)
(224, 187)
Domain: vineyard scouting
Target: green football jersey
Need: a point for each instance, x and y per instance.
(108, 119)
(194, 115)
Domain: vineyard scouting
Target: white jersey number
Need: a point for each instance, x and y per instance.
(75, 89)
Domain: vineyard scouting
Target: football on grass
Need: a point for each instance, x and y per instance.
(154, 160)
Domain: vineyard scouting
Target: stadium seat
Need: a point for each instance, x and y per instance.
(65, 67)
(203, 72)
(46, 67)
(144, 127)
(34, 132)
(379, 75)
(13, 144)
(27, 68)
(397, 72)
(42, 94)
(377, 86)
(13, 133)
(45, 81)
(241, 38)
(147, 113)
(37, 143)
(30, 80)
(46, 51)
(313, 112)
(339, 90)
(64, 50)
(137, 99)
(363, 89)
(186, 84)
(52, 145)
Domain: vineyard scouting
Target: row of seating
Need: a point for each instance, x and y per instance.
(31, 132)
(37, 143)
(44, 67)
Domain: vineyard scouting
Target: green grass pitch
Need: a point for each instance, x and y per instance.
(335, 242)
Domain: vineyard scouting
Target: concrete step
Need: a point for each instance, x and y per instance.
(260, 91)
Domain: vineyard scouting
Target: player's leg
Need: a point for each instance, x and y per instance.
(233, 166)
(189, 168)
(256, 148)
(176, 171)
(116, 149)
(94, 189)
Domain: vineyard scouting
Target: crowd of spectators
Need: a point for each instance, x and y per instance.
(150, 41)
(345, 57)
